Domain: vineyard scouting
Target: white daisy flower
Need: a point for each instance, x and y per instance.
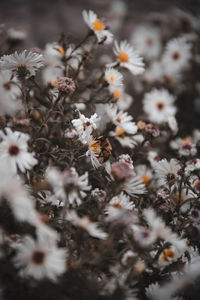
(98, 27)
(159, 105)
(86, 224)
(24, 64)
(84, 126)
(68, 182)
(9, 95)
(113, 77)
(123, 100)
(147, 41)
(118, 202)
(192, 166)
(125, 141)
(121, 119)
(128, 58)
(39, 259)
(177, 55)
(167, 172)
(134, 186)
(144, 172)
(14, 150)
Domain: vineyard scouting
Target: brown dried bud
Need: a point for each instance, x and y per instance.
(141, 125)
(65, 84)
(152, 129)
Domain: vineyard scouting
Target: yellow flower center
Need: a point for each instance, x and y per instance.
(123, 57)
(112, 78)
(145, 178)
(187, 140)
(54, 82)
(117, 94)
(120, 131)
(168, 253)
(61, 50)
(98, 25)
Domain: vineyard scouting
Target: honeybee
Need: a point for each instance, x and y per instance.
(102, 146)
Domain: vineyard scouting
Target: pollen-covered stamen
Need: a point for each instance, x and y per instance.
(176, 55)
(38, 257)
(117, 205)
(160, 105)
(120, 131)
(145, 178)
(167, 254)
(13, 150)
(123, 57)
(117, 94)
(61, 50)
(98, 25)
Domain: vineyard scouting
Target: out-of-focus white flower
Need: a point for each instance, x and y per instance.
(143, 236)
(39, 259)
(123, 100)
(13, 150)
(9, 95)
(86, 224)
(177, 55)
(172, 123)
(24, 64)
(118, 202)
(144, 172)
(84, 126)
(68, 185)
(163, 232)
(134, 186)
(167, 172)
(151, 290)
(16, 34)
(125, 141)
(128, 58)
(192, 165)
(98, 27)
(121, 119)
(147, 41)
(159, 105)
(113, 77)
(187, 149)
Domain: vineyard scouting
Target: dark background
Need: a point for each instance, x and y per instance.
(44, 19)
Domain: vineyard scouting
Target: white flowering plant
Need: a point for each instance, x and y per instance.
(100, 166)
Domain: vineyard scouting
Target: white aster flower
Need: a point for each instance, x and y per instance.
(98, 27)
(9, 95)
(192, 166)
(86, 224)
(14, 150)
(177, 55)
(147, 41)
(134, 186)
(113, 77)
(68, 185)
(121, 201)
(24, 64)
(121, 119)
(40, 259)
(128, 58)
(167, 172)
(84, 126)
(159, 105)
(123, 100)
(144, 172)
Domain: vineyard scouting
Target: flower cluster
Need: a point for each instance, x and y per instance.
(100, 190)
